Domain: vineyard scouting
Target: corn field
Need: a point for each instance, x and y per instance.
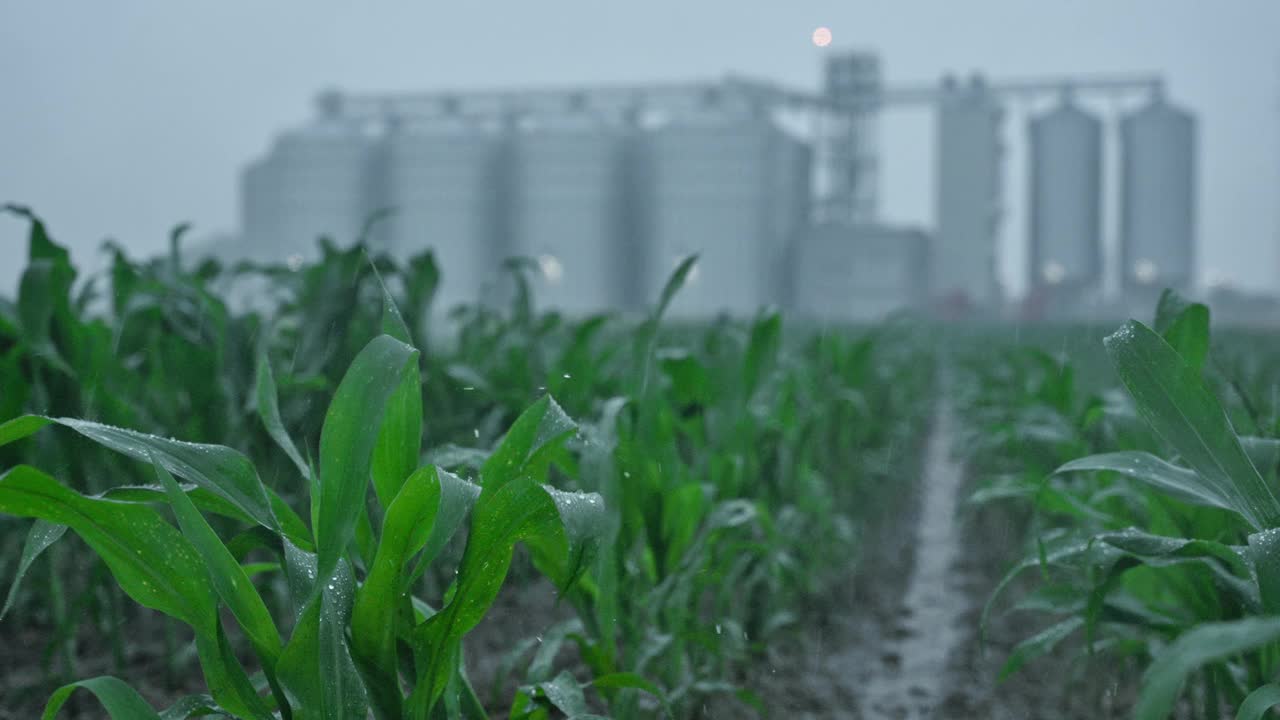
(340, 501)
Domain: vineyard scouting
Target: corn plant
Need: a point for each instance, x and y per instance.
(1164, 550)
(360, 642)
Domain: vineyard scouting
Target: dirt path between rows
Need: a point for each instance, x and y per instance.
(908, 682)
(899, 639)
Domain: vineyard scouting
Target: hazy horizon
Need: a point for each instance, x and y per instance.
(125, 119)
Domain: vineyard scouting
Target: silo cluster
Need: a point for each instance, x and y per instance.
(603, 203)
(1156, 195)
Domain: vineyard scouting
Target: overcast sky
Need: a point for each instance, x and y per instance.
(119, 119)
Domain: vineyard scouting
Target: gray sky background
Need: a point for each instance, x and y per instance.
(122, 118)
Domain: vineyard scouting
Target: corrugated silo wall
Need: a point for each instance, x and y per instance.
(1158, 213)
(440, 181)
(1066, 190)
(732, 188)
(795, 191)
(968, 195)
(259, 212)
(322, 176)
(567, 210)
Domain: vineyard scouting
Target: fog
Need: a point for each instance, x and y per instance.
(121, 119)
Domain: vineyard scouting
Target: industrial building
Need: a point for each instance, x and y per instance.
(861, 273)
(607, 189)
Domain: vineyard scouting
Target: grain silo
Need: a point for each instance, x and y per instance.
(259, 213)
(1066, 197)
(723, 181)
(440, 180)
(969, 195)
(1157, 233)
(567, 203)
(316, 181)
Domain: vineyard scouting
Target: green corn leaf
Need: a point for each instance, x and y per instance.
(1039, 644)
(1264, 550)
(152, 563)
(585, 522)
(1179, 482)
(520, 510)
(1259, 702)
(766, 335)
(21, 427)
(400, 440)
(1168, 308)
(225, 574)
(630, 680)
(291, 525)
(1188, 334)
(1173, 399)
(192, 706)
(269, 411)
(429, 508)
(690, 381)
(674, 283)
(564, 694)
(226, 678)
(39, 538)
(316, 668)
(119, 700)
(219, 469)
(529, 444)
(347, 440)
(150, 559)
(457, 496)
(1206, 643)
(1069, 552)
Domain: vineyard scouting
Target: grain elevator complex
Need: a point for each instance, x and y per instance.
(775, 189)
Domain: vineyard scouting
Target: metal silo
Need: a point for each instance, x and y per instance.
(969, 197)
(726, 183)
(1158, 166)
(1066, 192)
(567, 197)
(259, 215)
(322, 175)
(440, 180)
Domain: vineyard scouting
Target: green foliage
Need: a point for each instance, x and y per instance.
(1159, 537)
(360, 474)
